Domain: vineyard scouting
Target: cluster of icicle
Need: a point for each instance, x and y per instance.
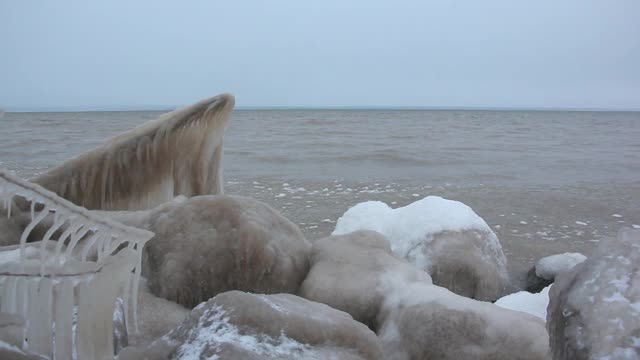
(78, 268)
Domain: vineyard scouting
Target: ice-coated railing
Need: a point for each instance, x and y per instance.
(78, 267)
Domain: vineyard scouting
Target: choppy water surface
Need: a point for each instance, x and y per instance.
(547, 182)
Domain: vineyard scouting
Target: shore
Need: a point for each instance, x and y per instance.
(530, 222)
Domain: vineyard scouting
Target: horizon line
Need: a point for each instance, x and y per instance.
(269, 108)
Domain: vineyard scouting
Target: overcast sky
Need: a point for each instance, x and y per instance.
(333, 53)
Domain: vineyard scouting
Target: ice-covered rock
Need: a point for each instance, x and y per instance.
(443, 237)
(550, 266)
(347, 271)
(180, 153)
(207, 245)
(594, 309)
(531, 303)
(547, 268)
(237, 325)
(421, 321)
(535, 284)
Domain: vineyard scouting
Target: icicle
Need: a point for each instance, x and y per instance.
(45, 240)
(63, 320)
(72, 228)
(126, 295)
(134, 291)
(8, 300)
(22, 295)
(7, 205)
(97, 237)
(75, 238)
(40, 336)
(84, 328)
(40, 294)
(29, 228)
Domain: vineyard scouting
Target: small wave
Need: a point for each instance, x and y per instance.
(392, 157)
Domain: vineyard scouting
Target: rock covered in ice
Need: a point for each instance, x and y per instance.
(180, 153)
(531, 303)
(443, 237)
(550, 266)
(594, 309)
(207, 245)
(421, 321)
(535, 284)
(237, 325)
(347, 271)
(547, 268)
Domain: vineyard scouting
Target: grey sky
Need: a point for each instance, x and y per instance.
(495, 53)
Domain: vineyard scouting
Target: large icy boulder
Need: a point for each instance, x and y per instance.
(547, 268)
(347, 271)
(421, 321)
(207, 245)
(237, 325)
(530, 303)
(594, 309)
(180, 153)
(443, 237)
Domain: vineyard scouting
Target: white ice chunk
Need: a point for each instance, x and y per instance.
(550, 266)
(534, 304)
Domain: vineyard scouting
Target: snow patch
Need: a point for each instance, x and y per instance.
(410, 227)
(550, 266)
(214, 330)
(534, 304)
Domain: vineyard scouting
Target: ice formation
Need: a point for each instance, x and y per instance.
(237, 325)
(549, 267)
(534, 304)
(180, 153)
(443, 237)
(594, 309)
(90, 262)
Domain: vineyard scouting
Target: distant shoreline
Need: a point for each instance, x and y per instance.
(330, 108)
